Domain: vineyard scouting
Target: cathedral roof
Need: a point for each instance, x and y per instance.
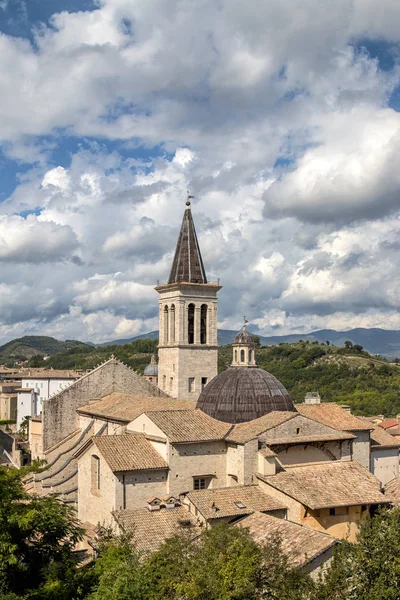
(152, 368)
(187, 265)
(240, 394)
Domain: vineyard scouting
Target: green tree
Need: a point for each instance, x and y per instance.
(368, 569)
(37, 537)
(348, 344)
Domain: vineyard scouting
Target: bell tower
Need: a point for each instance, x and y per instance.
(188, 345)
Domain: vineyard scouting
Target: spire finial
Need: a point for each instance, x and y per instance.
(244, 323)
(189, 197)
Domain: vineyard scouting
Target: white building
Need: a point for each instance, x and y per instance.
(37, 386)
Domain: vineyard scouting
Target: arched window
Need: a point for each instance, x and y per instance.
(191, 324)
(172, 323)
(235, 355)
(242, 356)
(166, 325)
(203, 324)
(95, 473)
(250, 355)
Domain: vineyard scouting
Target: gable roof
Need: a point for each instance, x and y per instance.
(244, 432)
(381, 438)
(189, 425)
(334, 416)
(126, 407)
(300, 543)
(388, 423)
(326, 485)
(150, 529)
(129, 452)
(187, 265)
(222, 502)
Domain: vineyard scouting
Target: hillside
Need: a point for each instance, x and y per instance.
(385, 342)
(31, 345)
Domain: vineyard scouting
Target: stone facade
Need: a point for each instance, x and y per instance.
(385, 463)
(188, 345)
(59, 412)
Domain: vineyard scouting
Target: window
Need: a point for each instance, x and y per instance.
(95, 473)
(240, 505)
(203, 324)
(191, 384)
(171, 381)
(332, 512)
(242, 356)
(235, 355)
(41, 385)
(199, 484)
(191, 324)
(298, 431)
(364, 507)
(203, 382)
(27, 385)
(172, 323)
(250, 355)
(166, 324)
(164, 380)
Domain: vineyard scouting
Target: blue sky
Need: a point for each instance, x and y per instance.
(283, 121)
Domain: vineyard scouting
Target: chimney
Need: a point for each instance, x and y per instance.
(312, 398)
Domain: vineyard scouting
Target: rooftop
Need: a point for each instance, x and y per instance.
(389, 423)
(300, 543)
(233, 501)
(328, 484)
(126, 407)
(244, 432)
(129, 452)
(189, 425)
(306, 439)
(392, 488)
(48, 374)
(381, 438)
(329, 413)
(150, 529)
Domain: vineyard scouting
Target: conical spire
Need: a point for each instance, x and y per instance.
(188, 265)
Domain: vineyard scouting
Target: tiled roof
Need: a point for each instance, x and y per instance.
(382, 438)
(389, 423)
(305, 439)
(392, 489)
(244, 432)
(126, 407)
(333, 415)
(189, 425)
(48, 374)
(300, 543)
(150, 529)
(129, 452)
(187, 265)
(222, 502)
(323, 485)
(267, 452)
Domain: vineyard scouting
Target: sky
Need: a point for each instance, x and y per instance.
(282, 118)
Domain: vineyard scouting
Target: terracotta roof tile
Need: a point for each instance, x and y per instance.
(300, 543)
(392, 488)
(150, 529)
(304, 439)
(389, 423)
(333, 415)
(189, 425)
(126, 407)
(223, 502)
(129, 452)
(323, 485)
(382, 438)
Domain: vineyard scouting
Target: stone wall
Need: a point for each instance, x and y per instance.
(362, 449)
(95, 506)
(139, 486)
(188, 460)
(385, 464)
(59, 412)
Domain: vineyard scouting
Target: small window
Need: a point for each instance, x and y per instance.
(332, 512)
(171, 381)
(164, 380)
(242, 356)
(298, 431)
(41, 385)
(191, 387)
(95, 473)
(203, 382)
(27, 385)
(199, 484)
(364, 507)
(235, 355)
(250, 355)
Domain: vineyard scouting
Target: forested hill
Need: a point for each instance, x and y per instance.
(31, 345)
(348, 375)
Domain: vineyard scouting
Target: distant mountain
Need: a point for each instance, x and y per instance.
(30, 345)
(377, 341)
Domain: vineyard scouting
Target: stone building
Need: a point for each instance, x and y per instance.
(204, 447)
(151, 371)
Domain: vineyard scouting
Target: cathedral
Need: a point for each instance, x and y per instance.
(184, 446)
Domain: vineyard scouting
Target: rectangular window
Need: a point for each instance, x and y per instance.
(199, 484)
(191, 384)
(171, 381)
(95, 473)
(164, 382)
(203, 382)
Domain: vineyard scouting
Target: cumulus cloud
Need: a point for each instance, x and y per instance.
(279, 122)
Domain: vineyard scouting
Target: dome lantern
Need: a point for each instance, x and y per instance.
(244, 349)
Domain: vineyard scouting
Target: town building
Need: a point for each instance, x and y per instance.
(202, 447)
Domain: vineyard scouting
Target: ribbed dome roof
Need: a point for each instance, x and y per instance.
(242, 394)
(152, 368)
(244, 337)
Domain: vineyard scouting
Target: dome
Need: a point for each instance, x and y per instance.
(241, 394)
(244, 337)
(152, 368)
